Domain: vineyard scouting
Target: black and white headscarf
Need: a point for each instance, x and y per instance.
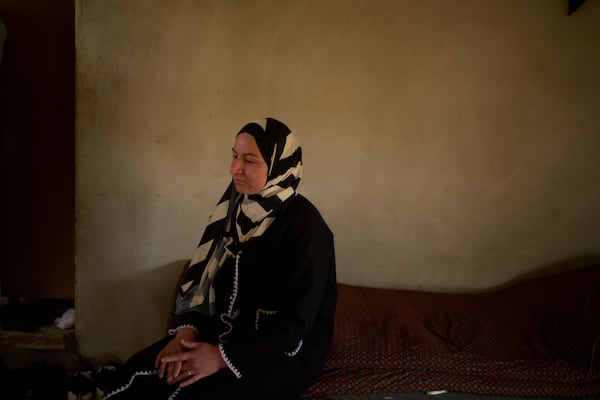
(239, 218)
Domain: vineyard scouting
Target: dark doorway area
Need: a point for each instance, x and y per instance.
(37, 110)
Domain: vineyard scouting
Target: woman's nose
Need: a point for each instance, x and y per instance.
(236, 167)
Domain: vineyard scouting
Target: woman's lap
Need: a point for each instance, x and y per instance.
(139, 380)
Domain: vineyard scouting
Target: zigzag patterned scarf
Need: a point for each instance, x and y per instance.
(249, 215)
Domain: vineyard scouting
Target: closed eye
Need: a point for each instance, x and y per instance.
(246, 160)
(249, 158)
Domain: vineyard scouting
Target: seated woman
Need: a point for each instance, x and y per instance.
(256, 305)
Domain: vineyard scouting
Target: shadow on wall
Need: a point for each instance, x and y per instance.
(160, 287)
(567, 264)
(161, 284)
(150, 297)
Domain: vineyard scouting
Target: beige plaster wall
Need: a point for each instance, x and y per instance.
(451, 145)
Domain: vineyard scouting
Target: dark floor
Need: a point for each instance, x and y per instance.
(38, 381)
(37, 358)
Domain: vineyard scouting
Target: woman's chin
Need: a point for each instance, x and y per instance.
(241, 188)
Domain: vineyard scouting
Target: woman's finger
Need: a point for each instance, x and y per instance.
(159, 364)
(187, 378)
(174, 369)
(161, 371)
(189, 344)
(183, 375)
(177, 369)
(180, 357)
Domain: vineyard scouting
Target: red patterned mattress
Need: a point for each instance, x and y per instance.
(537, 338)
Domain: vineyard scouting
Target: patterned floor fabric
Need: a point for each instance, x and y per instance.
(540, 337)
(442, 396)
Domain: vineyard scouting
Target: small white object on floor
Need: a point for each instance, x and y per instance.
(435, 392)
(67, 320)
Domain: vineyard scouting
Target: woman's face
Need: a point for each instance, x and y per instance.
(248, 169)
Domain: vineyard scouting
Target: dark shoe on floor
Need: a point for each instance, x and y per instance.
(81, 386)
(105, 379)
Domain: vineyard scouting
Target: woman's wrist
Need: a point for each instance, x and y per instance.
(186, 332)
